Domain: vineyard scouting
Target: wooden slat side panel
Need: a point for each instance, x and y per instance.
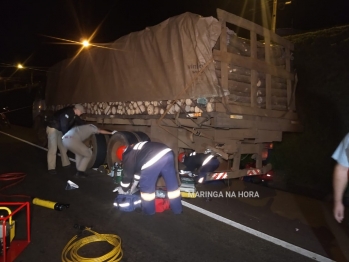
(241, 22)
(244, 110)
(224, 64)
(276, 125)
(290, 99)
(252, 63)
(258, 136)
(254, 73)
(268, 76)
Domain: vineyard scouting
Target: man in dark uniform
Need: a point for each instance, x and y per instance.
(144, 162)
(201, 163)
(61, 121)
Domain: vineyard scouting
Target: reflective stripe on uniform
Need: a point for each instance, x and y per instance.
(125, 184)
(174, 194)
(137, 177)
(139, 146)
(156, 158)
(148, 196)
(137, 202)
(207, 159)
(124, 204)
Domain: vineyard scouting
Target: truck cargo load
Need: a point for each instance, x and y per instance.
(191, 82)
(151, 65)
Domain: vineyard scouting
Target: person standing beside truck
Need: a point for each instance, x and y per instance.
(58, 125)
(340, 177)
(74, 139)
(144, 162)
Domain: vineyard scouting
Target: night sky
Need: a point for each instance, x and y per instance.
(24, 23)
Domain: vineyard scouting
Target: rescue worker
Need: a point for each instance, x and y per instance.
(74, 139)
(61, 121)
(200, 163)
(144, 162)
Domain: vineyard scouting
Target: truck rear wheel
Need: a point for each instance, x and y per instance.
(122, 138)
(98, 145)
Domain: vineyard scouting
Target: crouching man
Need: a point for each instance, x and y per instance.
(74, 139)
(199, 163)
(145, 161)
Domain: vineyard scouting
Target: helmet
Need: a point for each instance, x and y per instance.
(120, 151)
(181, 157)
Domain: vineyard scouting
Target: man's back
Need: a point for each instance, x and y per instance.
(64, 119)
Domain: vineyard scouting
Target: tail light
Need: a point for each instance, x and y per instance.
(265, 154)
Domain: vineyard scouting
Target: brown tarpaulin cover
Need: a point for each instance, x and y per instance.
(155, 64)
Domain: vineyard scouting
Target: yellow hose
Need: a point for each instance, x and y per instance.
(70, 251)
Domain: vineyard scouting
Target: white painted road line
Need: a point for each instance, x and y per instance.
(246, 229)
(43, 148)
(261, 235)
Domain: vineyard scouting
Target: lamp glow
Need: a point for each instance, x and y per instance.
(85, 43)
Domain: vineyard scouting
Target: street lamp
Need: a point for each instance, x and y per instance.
(275, 6)
(20, 67)
(85, 43)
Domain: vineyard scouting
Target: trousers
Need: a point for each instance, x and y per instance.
(164, 166)
(210, 166)
(83, 154)
(54, 141)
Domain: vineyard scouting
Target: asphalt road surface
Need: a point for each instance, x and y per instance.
(243, 222)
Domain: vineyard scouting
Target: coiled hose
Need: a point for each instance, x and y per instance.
(70, 251)
(12, 179)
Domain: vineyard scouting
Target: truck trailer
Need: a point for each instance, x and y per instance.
(194, 83)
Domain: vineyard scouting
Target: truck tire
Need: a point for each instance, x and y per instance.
(142, 136)
(122, 138)
(98, 145)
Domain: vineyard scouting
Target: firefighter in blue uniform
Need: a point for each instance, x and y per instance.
(144, 162)
(200, 163)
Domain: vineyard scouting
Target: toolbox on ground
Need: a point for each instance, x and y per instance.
(187, 188)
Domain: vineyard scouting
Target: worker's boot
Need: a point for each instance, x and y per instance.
(81, 174)
(52, 172)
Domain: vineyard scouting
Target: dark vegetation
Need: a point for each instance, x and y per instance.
(322, 100)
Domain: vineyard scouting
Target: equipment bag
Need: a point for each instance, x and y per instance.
(161, 204)
(128, 203)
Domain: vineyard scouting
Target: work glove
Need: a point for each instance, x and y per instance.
(121, 191)
(114, 132)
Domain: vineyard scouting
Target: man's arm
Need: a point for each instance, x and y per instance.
(105, 132)
(126, 181)
(340, 181)
(128, 166)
